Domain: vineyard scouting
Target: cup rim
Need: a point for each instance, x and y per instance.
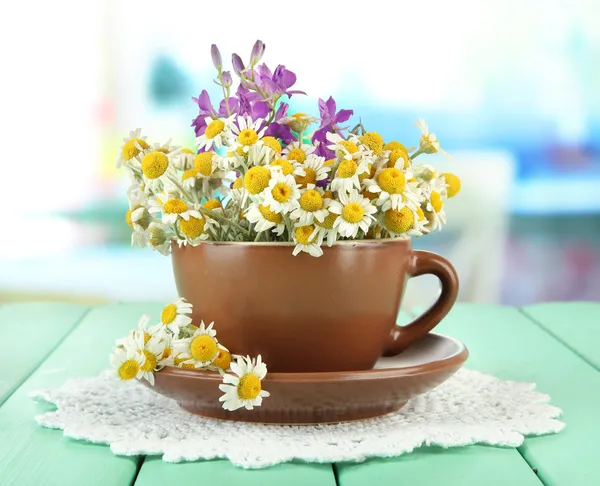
(376, 242)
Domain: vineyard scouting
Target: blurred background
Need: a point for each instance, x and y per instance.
(511, 88)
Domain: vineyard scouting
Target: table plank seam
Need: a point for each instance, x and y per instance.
(45, 357)
(138, 467)
(535, 469)
(558, 338)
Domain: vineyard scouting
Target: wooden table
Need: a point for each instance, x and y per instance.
(555, 345)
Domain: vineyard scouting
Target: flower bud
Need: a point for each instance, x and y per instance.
(216, 57)
(238, 64)
(226, 80)
(257, 52)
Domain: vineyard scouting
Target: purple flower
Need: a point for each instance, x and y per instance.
(330, 121)
(279, 130)
(206, 109)
(276, 83)
(257, 52)
(238, 64)
(216, 57)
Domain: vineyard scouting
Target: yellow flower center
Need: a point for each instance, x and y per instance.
(166, 353)
(420, 214)
(204, 348)
(128, 218)
(453, 183)
(398, 154)
(213, 204)
(257, 179)
(238, 183)
(347, 168)
(130, 150)
(391, 181)
(193, 227)
(203, 163)
(436, 201)
(329, 162)
(189, 173)
(286, 166)
(269, 215)
(223, 360)
(175, 206)
(374, 141)
(353, 212)
(299, 116)
(214, 128)
(303, 234)
(249, 387)
(350, 147)
(281, 192)
(328, 221)
(186, 151)
(297, 154)
(393, 145)
(311, 201)
(154, 164)
(399, 222)
(147, 338)
(150, 363)
(128, 370)
(164, 150)
(168, 314)
(248, 137)
(272, 143)
(309, 178)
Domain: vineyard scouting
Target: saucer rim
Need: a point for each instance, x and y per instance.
(454, 360)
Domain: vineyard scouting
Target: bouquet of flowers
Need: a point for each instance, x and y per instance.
(260, 173)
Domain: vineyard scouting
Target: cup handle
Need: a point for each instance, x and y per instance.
(424, 262)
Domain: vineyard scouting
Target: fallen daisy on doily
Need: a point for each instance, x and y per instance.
(470, 408)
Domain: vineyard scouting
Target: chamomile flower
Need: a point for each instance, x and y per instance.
(196, 229)
(326, 230)
(172, 208)
(356, 213)
(389, 184)
(167, 356)
(223, 360)
(243, 387)
(307, 240)
(159, 237)
(263, 154)
(283, 165)
(428, 143)
(373, 142)
(247, 133)
(183, 159)
(345, 149)
(299, 122)
(152, 350)
(132, 147)
(174, 315)
(403, 222)
(311, 206)
(127, 362)
(433, 209)
(142, 328)
(230, 161)
(452, 184)
(298, 151)
(155, 167)
(349, 173)
(137, 216)
(282, 193)
(264, 218)
(311, 171)
(166, 148)
(217, 132)
(201, 349)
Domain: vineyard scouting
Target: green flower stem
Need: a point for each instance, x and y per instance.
(415, 155)
(223, 219)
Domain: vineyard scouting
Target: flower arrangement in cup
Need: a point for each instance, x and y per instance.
(176, 341)
(260, 173)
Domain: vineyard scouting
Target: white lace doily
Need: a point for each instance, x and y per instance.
(469, 408)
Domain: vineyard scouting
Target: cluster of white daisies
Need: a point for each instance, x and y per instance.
(259, 191)
(176, 341)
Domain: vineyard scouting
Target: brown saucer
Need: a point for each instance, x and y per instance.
(310, 398)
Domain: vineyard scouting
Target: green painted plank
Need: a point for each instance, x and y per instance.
(45, 323)
(504, 342)
(155, 472)
(472, 465)
(30, 454)
(576, 324)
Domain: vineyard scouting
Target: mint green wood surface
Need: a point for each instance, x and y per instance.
(50, 321)
(155, 472)
(31, 455)
(576, 324)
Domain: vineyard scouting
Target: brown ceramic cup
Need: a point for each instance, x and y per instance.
(304, 314)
